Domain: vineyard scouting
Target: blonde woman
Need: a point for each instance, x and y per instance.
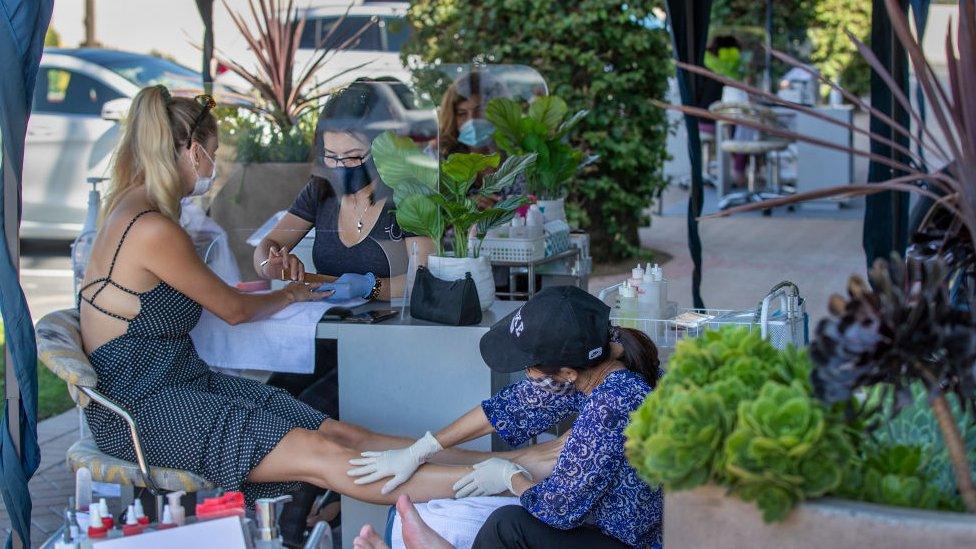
(144, 291)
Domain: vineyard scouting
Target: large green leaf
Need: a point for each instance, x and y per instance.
(403, 166)
(567, 126)
(464, 167)
(505, 114)
(505, 176)
(550, 110)
(419, 214)
(502, 213)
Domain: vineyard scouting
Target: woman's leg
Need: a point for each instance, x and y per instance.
(538, 459)
(515, 528)
(307, 456)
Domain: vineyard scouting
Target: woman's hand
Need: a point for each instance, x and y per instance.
(298, 292)
(282, 265)
(490, 477)
(400, 464)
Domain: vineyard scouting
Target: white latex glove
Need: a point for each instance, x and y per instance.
(400, 464)
(490, 477)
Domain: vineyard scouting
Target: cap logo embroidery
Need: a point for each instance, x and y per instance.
(595, 352)
(516, 327)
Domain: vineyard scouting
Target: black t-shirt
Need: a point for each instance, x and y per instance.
(319, 205)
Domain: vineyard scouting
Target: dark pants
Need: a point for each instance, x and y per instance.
(512, 527)
(320, 390)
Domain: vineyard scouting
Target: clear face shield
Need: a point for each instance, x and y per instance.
(333, 218)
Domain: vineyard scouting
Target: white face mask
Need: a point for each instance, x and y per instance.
(204, 183)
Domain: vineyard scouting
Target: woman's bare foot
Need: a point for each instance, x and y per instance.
(368, 539)
(416, 533)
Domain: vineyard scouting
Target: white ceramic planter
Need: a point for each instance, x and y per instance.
(553, 210)
(707, 517)
(452, 268)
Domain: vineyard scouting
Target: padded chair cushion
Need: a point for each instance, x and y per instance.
(60, 348)
(105, 468)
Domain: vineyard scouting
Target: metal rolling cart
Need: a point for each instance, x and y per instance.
(564, 264)
(569, 263)
(780, 317)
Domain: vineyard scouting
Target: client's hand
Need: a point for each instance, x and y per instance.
(351, 285)
(299, 291)
(490, 477)
(400, 464)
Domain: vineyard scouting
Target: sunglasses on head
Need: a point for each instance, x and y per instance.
(207, 102)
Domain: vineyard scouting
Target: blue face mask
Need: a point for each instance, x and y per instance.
(476, 132)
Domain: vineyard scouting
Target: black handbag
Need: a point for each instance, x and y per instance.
(446, 302)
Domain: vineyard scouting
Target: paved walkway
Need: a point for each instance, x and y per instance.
(53, 483)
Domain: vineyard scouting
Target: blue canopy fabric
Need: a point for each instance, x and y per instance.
(689, 21)
(23, 24)
(886, 214)
(920, 11)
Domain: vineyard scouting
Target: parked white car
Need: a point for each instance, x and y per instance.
(378, 49)
(80, 96)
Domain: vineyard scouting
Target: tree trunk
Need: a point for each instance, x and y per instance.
(90, 41)
(957, 451)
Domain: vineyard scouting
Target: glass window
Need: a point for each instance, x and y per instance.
(69, 92)
(346, 28)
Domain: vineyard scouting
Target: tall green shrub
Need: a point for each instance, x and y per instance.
(596, 54)
(833, 52)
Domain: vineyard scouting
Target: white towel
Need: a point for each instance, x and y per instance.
(456, 520)
(283, 342)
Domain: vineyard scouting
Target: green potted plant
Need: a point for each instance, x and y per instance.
(434, 204)
(272, 136)
(735, 425)
(543, 128)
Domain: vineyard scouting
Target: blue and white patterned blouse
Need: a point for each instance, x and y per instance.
(592, 483)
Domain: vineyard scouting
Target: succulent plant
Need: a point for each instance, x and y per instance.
(897, 475)
(735, 411)
(689, 428)
(785, 448)
(900, 330)
(915, 425)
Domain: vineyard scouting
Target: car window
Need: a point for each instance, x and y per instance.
(386, 34)
(146, 71)
(397, 33)
(68, 92)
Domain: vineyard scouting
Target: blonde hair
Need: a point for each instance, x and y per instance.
(155, 131)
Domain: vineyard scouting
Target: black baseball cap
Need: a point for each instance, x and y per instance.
(561, 326)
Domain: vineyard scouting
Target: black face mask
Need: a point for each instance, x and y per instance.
(351, 180)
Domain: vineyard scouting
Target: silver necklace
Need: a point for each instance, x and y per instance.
(359, 224)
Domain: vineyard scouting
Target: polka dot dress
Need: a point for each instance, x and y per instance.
(217, 426)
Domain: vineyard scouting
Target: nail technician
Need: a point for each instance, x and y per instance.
(349, 207)
(575, 363)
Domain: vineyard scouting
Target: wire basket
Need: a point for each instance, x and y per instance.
(522, 250)
(779, 327)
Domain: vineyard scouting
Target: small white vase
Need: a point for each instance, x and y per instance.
(453, 268)
(553, 210)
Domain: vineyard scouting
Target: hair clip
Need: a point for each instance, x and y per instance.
(615, 334)
(165, 92)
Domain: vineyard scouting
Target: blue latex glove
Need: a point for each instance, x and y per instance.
(350, 286)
